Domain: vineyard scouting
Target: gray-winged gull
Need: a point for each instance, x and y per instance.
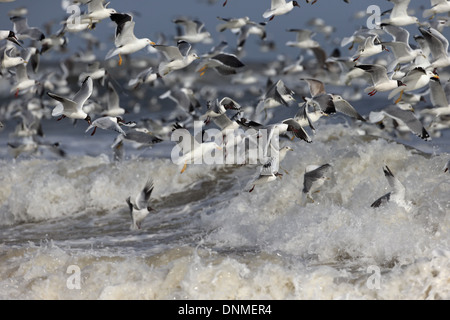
(140, 205)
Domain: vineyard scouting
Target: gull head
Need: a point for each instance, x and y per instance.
(295, 4)
(400, 84)
(88, 119)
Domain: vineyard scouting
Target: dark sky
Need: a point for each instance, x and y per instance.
(155, 17)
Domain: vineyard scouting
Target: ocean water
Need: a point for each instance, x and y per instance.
(65, 225)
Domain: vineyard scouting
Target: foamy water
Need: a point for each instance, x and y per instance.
(66, 233)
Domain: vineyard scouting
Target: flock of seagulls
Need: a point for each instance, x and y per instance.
(380, 60)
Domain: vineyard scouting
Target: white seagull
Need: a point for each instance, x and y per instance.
(371, 46)
(145, 76)
(114, 109)
(223, 63)
(109, 123)
(314, 177)
(416, 78)
(438, 45)
(303, 39)
(403, 114)
(193, 31)
(96, 12)
(380, 80)
(399, 14)
(73, 108)
(232, 23)
(269, 172)
(140, 205)
(178, 57)
(397, 194)
(402, 51)
(343, 106)
(278, 8)
(23, 31)
(277, 94)
(23, 82)
(439, 99)
(437, 6)
(125, 40)
(11, 61)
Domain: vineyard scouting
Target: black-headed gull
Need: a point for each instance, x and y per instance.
(140, 205)
(73, 108)
(109, 123)
(278, 8)
(371, 46)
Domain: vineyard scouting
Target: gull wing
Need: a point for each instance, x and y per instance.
(297, 129)
(438, 46)
(277, 3)
(381, 200)
(400, 8)
(407, 117)
(64, 105)
(377, 72)
(170, 52)
(346, 108)
(124, 29)
(143, 198)
(184, 47)
(437, 94)
(84, 93)
(113, 97)
(316, 87)
(313, 175)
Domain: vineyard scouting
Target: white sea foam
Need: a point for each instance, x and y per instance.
(212, 239)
